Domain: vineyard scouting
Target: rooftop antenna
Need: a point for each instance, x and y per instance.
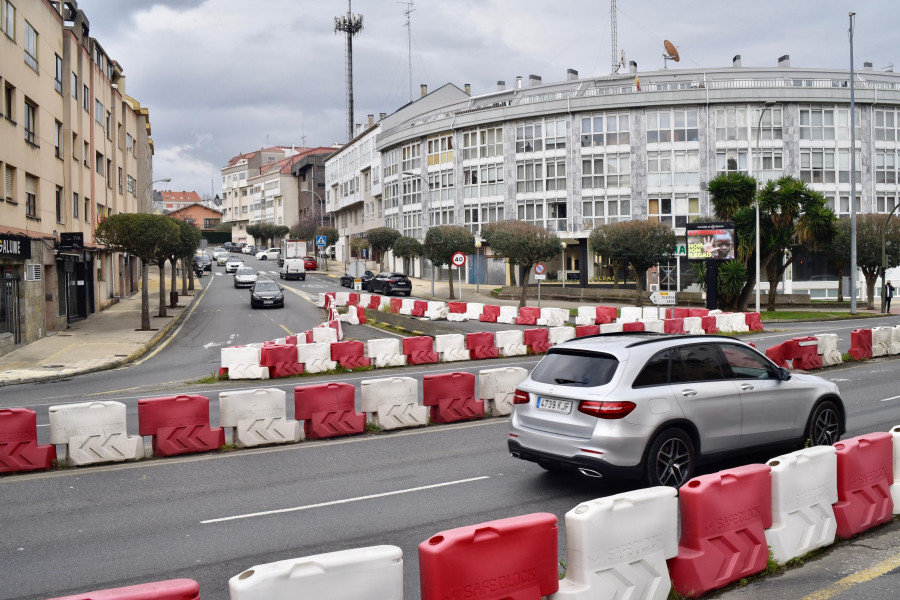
(351, 25)
(408, 25)
(671, 54)
(889, 68)
(616, 64)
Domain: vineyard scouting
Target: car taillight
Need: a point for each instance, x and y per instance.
(520, 397)
(606, 410)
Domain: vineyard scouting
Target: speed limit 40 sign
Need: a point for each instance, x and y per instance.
(458, 259)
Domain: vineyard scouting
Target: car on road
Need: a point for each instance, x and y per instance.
(266, 292)
(222, 259)
(347, 279)
(654, 406)
(233, 264)
(219, 252)
(269, 253)
(244, 277)
(292, 268)
(204, 261)
(390, 283)
(309, 263)
(251, 250)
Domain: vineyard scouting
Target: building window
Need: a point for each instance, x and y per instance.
(687, 209)
(9, 20)
(770, 125)
(687, 167)
(59, 74)
(109, 173)
(885, 204)
(817, 166)
(108, 125)
(129, 142)
(817, 123)
(885, 166)
(555, 133)
(440, 149)
(599, 210)
(672, 125)
(10, 177)
(30, 196)
(87, 154)
(731, 124)
(886, 125)
(659, 169)
(31, 46)
(772, 167)
(30, 122)
(482, 181)
(556, 216)
(74, 85)
(57, 138)
(411, 156)
(59, 205)
(659, 209)
(411, 191)
(608, 129)
(87, 204)
(439, 215)
(85, 100)
(412, 223)
(9, 102)
(75, 206)
(121, 183)
(531, 211)
(98, 111)
(490, 142)
(556, 176)
(529, 176)
(731, 161)
(529, 137)
(440, 186)
(98, 159)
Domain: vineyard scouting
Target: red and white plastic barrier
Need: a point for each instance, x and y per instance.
(328, 410)
(19, 450)
(258, 417)
(385, 352)
(392, 402)
(496, 388)
(451, 347)
(451, 397)
(511, 342)
(178, 425)
(865, 473)
(316, 357)
(94, 433)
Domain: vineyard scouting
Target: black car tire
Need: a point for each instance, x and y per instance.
(824, 427)
(407, 294)
(670, 460)
(303, 278)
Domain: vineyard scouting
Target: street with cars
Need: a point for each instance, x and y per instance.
(211, 516)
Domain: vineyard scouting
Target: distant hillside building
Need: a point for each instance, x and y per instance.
(198, 215)
(170, 201)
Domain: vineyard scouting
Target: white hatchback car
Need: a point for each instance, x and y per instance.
(271, 253)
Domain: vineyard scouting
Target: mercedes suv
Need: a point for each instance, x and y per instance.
(651, 406)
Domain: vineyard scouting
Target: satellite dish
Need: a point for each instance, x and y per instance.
(671, 53)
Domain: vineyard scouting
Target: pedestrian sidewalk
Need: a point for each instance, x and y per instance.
(104, 340)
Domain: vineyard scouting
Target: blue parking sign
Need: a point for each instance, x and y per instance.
(320, 240)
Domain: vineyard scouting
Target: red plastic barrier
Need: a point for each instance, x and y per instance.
(508, 559)
(673, 325)
(308, 336)
(489, 313)
(864, 475)
(678, 313)
(178, 424)
(753, 321)
(708, 323)
(327, 410)
(396, 304)
(350, 355)
(419, 350)
(778, 354)
(583, 330)
(456, 307)
(634, 326)
(360, 315)
(291, 339)
(353, 300)
(861, 344)
(419, 308)
(451, 397)
(374, 302)
(528, 315)
(537, 340)
(19, 450)
(281, 360)
(223, 371)
(481, 345)
(698, 312)
(173, 589)
(804, 353)
(723, 518)
(606, 314)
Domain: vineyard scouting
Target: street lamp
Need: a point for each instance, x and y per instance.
(477, 280)
(149, 185)
(562, 266)
(769, 104)
(884, 253)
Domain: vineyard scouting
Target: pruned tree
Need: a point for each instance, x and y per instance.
(304, 229)
(599, 240)
(189, 238)
(641, 244)
(869, 228)
(407, 248)
(381, 239)
(357, 246)
(443, 241)
(521, 244)
(141, 235)
(837, 253)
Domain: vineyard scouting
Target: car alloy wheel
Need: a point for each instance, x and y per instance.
(824, 425)
(671, 459)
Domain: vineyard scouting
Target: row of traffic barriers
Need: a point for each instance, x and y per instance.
(654, 318)
(813, 352)
(626, 545)
(96, 432)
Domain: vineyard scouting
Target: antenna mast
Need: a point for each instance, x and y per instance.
(614, 36)
(351, 25)
(408, 12)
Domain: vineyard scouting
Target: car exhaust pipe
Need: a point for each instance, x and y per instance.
(589, 472)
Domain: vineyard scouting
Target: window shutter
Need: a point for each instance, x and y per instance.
(9, 183)
(34, 272)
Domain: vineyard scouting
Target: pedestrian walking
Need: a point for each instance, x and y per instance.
(888, 294)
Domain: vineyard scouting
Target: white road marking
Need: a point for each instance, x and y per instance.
(211, 345)
(891, 398)
(344, 501)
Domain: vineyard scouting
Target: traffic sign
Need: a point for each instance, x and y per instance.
(663, 298)
(539, 269)
(540, 277)
(458, 259)
(320, 240)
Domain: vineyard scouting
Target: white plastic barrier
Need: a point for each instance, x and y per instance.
(258, 417)
(655, 325)
(373, 573)
(393, 402)
(242, 362)
(508, 314)
(895, 488)
(630, 314)
(881, 341)
(511, 343)
(804, 487)
(827, 348)
(558, 335)
(324, 335)
(385, 303)
(94, 432)
(611, 328)
(723, 322)
(617, 546)
(553, 317)
(385, 352)
(650, 313)
(321, 303)
(458, 317)
(315, 357)
(737, 323)
(497, 386)
(451, 346)
(364, 300)
(895, 339)
(587, 315)
(342, 298)
(436, 310)
(474, 310)
(694, 325)
(407, 305)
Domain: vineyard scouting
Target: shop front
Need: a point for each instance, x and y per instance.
(14, 251)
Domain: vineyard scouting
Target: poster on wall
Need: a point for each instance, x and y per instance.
(715, 241)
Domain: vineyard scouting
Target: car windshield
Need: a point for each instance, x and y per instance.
(244, 271)
(266, 286)
(575, 368)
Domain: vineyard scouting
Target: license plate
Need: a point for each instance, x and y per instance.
(267, 301)
(558, 406)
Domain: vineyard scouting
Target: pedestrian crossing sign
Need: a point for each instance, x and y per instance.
(320, 240)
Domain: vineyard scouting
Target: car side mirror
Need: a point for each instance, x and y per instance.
(784, 374)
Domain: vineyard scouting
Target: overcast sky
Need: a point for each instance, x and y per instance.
(224, 77)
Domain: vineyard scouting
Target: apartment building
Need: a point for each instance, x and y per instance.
(76, 149)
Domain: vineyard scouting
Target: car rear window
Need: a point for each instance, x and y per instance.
(575, 368)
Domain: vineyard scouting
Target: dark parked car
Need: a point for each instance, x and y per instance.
(309, 263)
(390, 283)
(204, 261)
(266, 292)
(347, 280)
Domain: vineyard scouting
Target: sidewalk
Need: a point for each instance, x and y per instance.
(104, 340)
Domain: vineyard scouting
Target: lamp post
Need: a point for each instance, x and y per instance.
(149, 185)
(477, 279)
(884, 253)
(766, 107)
(562, 266)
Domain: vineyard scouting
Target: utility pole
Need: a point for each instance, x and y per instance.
(853, 267)
(351, 25)
(408, 13)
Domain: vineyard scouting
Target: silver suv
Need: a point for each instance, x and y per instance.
(650, 406)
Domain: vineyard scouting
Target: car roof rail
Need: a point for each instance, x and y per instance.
(654, 336)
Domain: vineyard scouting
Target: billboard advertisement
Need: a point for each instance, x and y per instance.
(715, 241)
